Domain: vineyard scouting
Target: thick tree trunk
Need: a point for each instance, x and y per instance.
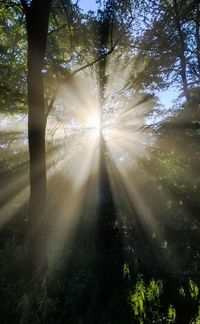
(37, 17)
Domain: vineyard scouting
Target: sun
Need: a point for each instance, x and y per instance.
(94, 122)
(93, 125)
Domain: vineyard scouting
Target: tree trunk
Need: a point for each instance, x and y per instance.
(37, 17)
(197, 36)
(182, 53)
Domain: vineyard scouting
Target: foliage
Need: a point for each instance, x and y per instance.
(168, 46)
(12, 61)
(145, 300)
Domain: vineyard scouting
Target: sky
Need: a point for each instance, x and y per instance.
(167, 97)
(87, 5)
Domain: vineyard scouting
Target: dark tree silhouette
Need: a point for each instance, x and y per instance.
(37, 17)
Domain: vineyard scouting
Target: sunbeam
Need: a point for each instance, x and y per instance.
(118, 122)
(75, 131)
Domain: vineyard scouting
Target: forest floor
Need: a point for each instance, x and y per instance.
(100, 271)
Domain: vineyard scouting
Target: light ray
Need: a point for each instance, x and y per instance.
(73, 148)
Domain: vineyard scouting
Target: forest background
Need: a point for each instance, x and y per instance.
(99, 161)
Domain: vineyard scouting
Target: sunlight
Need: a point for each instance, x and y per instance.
(94, 122)
(93, 125)
(73, 143)
(99, 161)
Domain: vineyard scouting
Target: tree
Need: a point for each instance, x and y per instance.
(168, 46)
(37, 18)
(112, 32)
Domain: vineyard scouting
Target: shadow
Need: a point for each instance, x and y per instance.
(109, 304)
(90, 267)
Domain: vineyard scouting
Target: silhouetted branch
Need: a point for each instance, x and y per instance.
(24, 5)
(57, 29)
(89, 64)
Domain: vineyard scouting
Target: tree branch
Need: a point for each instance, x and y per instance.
(69, 77)
(57, 29)
(93, 62)
(24, 5)
(89, 64)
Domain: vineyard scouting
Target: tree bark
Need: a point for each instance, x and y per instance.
(37, 17)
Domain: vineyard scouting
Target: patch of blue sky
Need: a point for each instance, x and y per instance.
(87, 5)
(167, 97)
